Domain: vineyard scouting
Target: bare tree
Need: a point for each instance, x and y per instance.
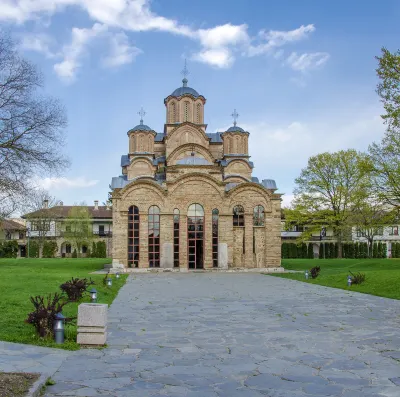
(31, 127)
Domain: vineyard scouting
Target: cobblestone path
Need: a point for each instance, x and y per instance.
(227, 334)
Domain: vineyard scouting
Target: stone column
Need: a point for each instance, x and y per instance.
(183, 243)
(144, 241)
(207, 242)
(273, 240)
(167, 240)
(226, 235)
(248, 236)
(120, 237)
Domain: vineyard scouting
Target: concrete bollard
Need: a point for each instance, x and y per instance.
(92, 324)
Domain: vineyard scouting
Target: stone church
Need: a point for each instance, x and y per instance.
(187, 198)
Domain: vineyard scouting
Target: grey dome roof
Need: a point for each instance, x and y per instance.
(235, 128)
(185, 90)
(192, 160)
(141, 127)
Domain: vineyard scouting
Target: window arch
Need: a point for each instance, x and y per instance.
(238, 216)
(172, 113)
(186, 111)
(198, 113)
(154, 236)
(176, 237)
(258, 216)
(215, 219)
(133, 236)
(195, 228)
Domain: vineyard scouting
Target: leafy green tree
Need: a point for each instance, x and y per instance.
(328, 191)
(94, 250)
(375, 250)
(310, 251)
(384, 250)
(321, 251)
(102, 250)
(79, 226)
(49, 249)
(33, 249)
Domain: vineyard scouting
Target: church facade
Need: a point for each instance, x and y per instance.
(187, 199)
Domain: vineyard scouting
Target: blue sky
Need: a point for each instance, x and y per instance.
(300, 73)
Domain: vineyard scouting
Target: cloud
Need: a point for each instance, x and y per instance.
(219, 45)
(122, 51)
(287, 200)
(272, 39)
(39, 42)
(305, 62)
(66, 183)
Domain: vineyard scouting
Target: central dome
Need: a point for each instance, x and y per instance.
(185, 90)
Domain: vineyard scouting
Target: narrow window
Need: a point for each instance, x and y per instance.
(154, 236)
(258, 216)
(186, 111)
(198, 113)
(215, 216)
(238, 216)
(133, 236)
(176, 237)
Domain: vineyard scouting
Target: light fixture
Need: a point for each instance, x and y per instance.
(306, 274)
(93, 295)
(349, 281)
(59, 322)
(109, 282)
(117, 275)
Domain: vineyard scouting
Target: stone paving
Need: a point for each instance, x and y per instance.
(15, 357)
(213, 335)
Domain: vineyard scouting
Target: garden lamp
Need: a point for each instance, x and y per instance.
(59, 328)
(349, 281)
(117, 275)
(93, 295)
(109, 282)
(306, 274)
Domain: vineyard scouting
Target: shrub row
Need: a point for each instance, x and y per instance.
(297, 251)
(8, 249)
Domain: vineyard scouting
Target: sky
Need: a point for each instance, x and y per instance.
(301, 75)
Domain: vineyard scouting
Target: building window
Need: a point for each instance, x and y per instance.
(394, 231)
(40, 226)
(195, 225)
(360, 233)
(172, 115)
(186, 109)
(133, 236)
(101, 230)
(176, 237)
(68, 248)
(215, 217)
(379, 231)
(154, 236)
(8, 235)
(84, 249)
(238, 216)
(21, 235)
(258, 216)
(68, 228)
(198, 113)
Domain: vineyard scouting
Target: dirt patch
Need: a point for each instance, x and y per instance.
(14, 384)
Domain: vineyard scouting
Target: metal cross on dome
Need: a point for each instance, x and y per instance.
(185, 70)
(141, 113)
(235, 116)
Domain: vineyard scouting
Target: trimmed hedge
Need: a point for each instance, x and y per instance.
(9, 249)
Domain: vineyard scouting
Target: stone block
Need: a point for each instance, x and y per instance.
(223, 256)
(167, 256)
(91, 338)
(92, 315)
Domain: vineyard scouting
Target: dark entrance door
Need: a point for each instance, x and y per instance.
(196, 236)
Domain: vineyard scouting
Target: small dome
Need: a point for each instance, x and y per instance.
(235, 128)
(185, 90)
(140, 127)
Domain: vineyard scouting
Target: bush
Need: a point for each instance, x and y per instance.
(74, 254)
(9, 249)
(321, 251)
(101, 249)
(310, 251)
(33, 249)
(42, 318)
(357, 278)
(94, 251)
(314, 271)
(49, 249)
(75, 288)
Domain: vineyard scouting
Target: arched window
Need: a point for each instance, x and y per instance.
(195, 224)
(133, 236)
(215, 216)
(154, 236)
(238, 216)
(176, 237)
(186, 111)
(172, 113)
(258, 216)
(198, 113)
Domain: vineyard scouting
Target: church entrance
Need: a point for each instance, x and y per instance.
(195, 224)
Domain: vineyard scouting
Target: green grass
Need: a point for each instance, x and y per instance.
(382, 275)
(22, 278)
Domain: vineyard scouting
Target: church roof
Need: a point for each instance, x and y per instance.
(192, 160)
(235, 128)
(185, 90)
(140, 127)
(125, 160)
(269, 184)
(159, 137)
(215, 137)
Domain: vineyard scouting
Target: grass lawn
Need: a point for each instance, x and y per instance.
(22, 278)
(382, 275)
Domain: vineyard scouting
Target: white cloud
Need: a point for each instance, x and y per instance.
(66, 183)
(122, 51)
(218, 45)
(39, 42)
(273, 39)
(305, 62)
(287, 200)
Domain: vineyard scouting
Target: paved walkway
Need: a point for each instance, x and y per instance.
(210, 335)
